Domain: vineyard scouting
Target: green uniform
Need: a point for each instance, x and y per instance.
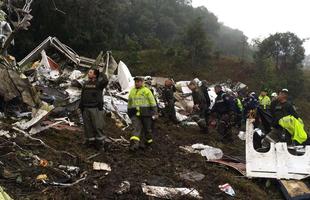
(91, 106)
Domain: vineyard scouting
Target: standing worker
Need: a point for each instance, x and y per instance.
(264, 100)
(169, 100)
(142, 110)
(222, 107)
(200, 105)
(91, 105)
(286, 120)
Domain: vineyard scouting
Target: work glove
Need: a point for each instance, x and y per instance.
(155, 117)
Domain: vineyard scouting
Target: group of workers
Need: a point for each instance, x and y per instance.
(277, 116)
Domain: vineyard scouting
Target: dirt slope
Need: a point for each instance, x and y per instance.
(159, 166)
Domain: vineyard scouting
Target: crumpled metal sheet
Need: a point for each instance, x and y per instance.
(12, 86)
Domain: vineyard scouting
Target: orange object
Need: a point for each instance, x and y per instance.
(43, 163)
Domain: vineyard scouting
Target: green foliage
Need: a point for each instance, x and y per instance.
(197, 44)
(278, 62)
(284, 48)
(92, 26)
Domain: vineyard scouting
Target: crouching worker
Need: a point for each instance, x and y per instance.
(91, 106)
(287, 126)
(142, 110)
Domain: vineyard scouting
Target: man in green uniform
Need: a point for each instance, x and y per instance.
(91, 105)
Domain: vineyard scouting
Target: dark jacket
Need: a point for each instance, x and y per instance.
(222, 104)
(168, 94)
(279, 110)
(199, 99)
(205, 92)
(250, 103)
(92, 96)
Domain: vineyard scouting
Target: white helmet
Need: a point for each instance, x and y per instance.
(148, 78)
(274, 94)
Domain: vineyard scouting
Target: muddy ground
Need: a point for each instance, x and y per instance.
(158, 166)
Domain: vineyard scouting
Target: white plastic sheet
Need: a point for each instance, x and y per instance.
(209, 152)
(170, 193)
(124, 76)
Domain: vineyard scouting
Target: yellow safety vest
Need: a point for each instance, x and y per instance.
(239, 104)
(142, 101)
(264, 101)
(295, 127)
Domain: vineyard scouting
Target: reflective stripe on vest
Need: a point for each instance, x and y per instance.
(136, 138)
(141, 98)
(295, 127)
(264, 101)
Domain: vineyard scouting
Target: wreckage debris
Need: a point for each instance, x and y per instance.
(123, 188)
(209, 152)
(101, 166)
(277, 162)
(192, 176)
(170, 193)
(227, 189)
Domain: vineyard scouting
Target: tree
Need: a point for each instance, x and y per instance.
(279, 61)
(284, 48)
(197, 43)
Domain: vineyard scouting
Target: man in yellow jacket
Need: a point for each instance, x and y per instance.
(264, 100)
(286, 118)
(142, 110)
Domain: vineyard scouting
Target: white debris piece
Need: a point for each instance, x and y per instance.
(120, 104)
(181, 117)
(39, 116)
(170, 193)
(124, 76)
(277, 162)
(74, 94)
(241, 135)
(209, 152)
(5, 134)
(227, 189)
(45, 69)
(101, 166)
(75, 74)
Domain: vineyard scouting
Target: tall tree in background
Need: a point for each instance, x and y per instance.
(285, 48)
(279, 61)
(197, 43)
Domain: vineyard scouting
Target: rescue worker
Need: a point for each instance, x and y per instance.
(169, 100)
(264, 100)
(200, 105)
(91, 105)
(222, 108)
(142, 110)
(274, 96)
(286, 121)
(239, 111)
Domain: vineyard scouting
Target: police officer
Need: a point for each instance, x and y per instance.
(142, 110)
(264, 100)
(286, 120)
(91, 105)
(222, 108)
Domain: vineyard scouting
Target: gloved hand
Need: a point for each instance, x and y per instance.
(155, 117)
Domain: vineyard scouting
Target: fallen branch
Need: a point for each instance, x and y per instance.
(65, 184)
(43, 143)
(93, 156)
